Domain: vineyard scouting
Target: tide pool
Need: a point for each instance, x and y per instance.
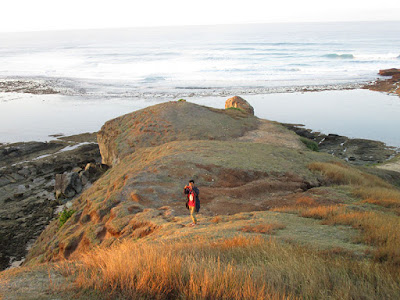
(353, 113)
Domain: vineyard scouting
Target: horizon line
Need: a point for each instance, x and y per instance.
(191, 25)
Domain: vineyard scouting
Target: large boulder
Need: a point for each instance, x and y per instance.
(70, 184)
(67, 185)
(93, 171)
(238, 102)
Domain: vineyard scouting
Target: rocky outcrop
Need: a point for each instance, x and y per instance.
(240, 103)
(354, 151)
(167, 122)
(15, 153)
(390, 85)
(69, 184)
(27, 178)
(389, 72)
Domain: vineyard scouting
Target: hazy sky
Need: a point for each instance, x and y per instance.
(27, 15)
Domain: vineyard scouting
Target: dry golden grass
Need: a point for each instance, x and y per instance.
(376, 229)
(301, 202)
(390, 203)
(339, 173)
(305, 201)
(387, 197)
(216, 219)
(320, 212)
(237, 268)
(365, 186)
(290, 209)
(269, 228)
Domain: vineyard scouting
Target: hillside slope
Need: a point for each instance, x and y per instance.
(240, 163)
(335, 226)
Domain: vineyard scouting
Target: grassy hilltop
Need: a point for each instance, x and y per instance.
(277, 220)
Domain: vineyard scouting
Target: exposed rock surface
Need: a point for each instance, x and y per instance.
(238, 102)
(389, 72)
(27, 178)
(354, 151)
(69, 184)
(391, 85)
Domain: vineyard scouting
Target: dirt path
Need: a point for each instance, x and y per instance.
(270, 133)
(395, 166)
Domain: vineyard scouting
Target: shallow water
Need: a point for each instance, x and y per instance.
(353, 113)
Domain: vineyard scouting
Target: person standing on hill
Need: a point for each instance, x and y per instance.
(193, 202)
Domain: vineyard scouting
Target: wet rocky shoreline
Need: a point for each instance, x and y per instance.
(27, 187)
(355, 151)
(390, 84)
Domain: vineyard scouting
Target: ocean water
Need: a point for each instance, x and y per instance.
(202, 60)
(109, 72)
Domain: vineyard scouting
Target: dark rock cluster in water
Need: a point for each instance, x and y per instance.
(355, 151)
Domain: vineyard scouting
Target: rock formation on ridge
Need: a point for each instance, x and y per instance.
(240, 103)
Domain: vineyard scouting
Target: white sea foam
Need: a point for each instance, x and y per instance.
(250, 56)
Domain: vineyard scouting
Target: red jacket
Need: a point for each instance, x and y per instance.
(193, 197)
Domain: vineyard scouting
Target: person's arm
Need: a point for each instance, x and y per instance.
(186, 190)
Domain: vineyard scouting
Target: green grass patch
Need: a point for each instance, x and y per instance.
(234, 108)
(65, 215)
(309, 144)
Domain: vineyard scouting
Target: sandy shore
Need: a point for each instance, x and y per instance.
(392, 166)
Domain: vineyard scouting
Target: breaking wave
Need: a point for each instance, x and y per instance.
(339, 56)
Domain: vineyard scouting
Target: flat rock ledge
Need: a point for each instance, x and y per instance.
(390, 85)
